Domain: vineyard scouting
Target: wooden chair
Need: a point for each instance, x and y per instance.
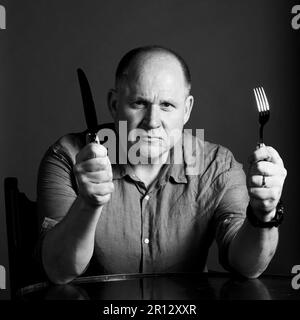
(22, 235)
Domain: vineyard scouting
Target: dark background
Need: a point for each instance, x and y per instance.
(230, 46)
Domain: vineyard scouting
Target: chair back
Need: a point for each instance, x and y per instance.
(22, 235)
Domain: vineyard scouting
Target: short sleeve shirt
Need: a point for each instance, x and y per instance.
(167, 227)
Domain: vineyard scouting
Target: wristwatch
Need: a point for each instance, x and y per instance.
(275, 222)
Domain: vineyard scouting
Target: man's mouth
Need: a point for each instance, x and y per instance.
(151, 138)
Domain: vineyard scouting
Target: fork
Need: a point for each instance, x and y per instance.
(263, 112)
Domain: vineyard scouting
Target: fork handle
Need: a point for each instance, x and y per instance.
(261, 134)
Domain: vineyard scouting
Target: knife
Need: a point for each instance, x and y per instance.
(88, 107)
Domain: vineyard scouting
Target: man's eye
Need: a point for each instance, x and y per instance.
(166, 105)
(138, 104)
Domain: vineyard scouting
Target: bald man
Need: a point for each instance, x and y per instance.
(153, 216)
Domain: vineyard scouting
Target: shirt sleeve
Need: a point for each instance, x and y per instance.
(56, 192)
(231, 210)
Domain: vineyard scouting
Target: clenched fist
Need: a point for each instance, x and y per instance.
(265, 180)
(93, 174)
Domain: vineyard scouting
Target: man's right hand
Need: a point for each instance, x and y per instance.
(93, 174)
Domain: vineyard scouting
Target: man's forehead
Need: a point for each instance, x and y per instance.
(161, 71)
(148, 87)
(154, 62)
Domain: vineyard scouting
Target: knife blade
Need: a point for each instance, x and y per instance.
(88, 107)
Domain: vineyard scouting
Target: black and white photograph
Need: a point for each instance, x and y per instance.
(149, 158)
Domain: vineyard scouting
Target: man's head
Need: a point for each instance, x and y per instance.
(152, 93)
(134, 55)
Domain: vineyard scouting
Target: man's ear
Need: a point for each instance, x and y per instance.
(112, 102)
(189, 102)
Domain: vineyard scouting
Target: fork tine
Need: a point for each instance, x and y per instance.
(261, 105)
(257, 101)
(262, 100)
(265, 99)
(263, 111)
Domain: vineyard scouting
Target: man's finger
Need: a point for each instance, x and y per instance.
(265, 153)
(275, 157)
(270, 181)
(93, 165)
(260, 154)
(264, 168)
(99, 176)
(103, 188)
(271, 194)
(90, 151)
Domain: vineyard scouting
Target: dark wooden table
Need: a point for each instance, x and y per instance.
(176, 286)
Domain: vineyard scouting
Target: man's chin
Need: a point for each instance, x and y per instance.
(149, 155)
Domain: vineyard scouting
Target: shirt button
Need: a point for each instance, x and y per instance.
(146, 241)
(147, 197)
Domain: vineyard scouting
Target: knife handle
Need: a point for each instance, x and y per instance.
(92, 137)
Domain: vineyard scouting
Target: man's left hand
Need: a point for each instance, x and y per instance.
(265, 181)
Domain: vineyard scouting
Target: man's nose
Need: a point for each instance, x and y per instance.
(152, 117)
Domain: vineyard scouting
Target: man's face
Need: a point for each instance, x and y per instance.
(154, 101)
